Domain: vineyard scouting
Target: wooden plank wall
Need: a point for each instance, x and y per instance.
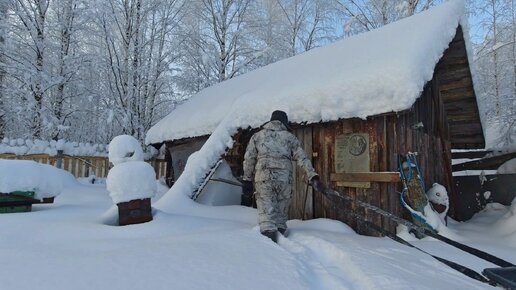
(84, 166)
(301, 206)
(389, 135)
(458, 95)
(324, 148)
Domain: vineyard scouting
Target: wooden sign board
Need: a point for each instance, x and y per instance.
(352, 155)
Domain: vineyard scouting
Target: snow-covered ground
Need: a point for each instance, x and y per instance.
(66, 246)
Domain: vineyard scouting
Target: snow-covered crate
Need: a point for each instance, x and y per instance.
(136, 211)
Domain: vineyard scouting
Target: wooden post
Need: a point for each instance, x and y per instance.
(155, 164)
(98, 170)
(74, 167)
(59, 157)
(87, 168)
(106, 167)
(80, 164)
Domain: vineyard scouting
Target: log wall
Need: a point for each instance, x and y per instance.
(445, 114)
(389, 136)
(423, 129)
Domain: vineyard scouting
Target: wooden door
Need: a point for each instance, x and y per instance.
(301, 206)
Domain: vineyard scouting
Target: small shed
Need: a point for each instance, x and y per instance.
(356, 105)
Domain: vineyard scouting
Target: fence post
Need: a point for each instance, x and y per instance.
(60, 156)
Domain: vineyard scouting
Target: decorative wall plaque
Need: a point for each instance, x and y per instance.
(352, 155)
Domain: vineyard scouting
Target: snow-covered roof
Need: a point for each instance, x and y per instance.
(380, 71)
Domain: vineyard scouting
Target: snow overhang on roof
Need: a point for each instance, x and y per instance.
(381, 71)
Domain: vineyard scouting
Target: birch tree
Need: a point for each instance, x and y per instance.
(495, 64)
(137, 39)
(225, 33)
(67, 64)
(218, 43)
(366, 15)
(306, 23)
(3, 23)
(27, 58)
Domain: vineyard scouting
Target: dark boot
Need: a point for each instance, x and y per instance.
(273, 235)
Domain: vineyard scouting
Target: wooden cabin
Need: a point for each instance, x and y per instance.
(444, 116)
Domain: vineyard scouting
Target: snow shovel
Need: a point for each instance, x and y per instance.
(506, 277)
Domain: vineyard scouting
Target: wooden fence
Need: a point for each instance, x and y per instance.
(83, 166)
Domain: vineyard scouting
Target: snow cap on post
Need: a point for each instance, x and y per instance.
(131, 180)
(124, 148)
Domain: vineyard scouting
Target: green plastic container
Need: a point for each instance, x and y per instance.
(29, 194)
(13, 209)
(16, 201)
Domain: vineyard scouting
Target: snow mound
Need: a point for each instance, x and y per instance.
(508, 167)
(131, 180)
(24, 175)
(124, 148)
(506, 226)
(219, 193)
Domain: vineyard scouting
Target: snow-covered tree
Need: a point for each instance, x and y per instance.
(495, 62)
(305, 23)
(218, 43)
(3, 23)
(138, 47)
(88, 70)
(66, 65)
(26, 60)
(365, 15)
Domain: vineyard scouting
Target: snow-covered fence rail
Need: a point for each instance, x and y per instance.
(82, 166)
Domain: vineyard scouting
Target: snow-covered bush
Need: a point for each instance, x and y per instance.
(23, 175)
(124, 148)
(23, 147)
(131, 180)
(28, 146)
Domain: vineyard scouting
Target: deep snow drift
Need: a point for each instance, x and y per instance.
(64, 246)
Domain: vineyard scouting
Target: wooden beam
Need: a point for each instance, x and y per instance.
(366, 177)
(489, 163)
(469, 154)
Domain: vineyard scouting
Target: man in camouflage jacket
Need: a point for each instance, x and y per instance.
(268, 162)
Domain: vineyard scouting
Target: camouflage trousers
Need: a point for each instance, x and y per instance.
(272, 201)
